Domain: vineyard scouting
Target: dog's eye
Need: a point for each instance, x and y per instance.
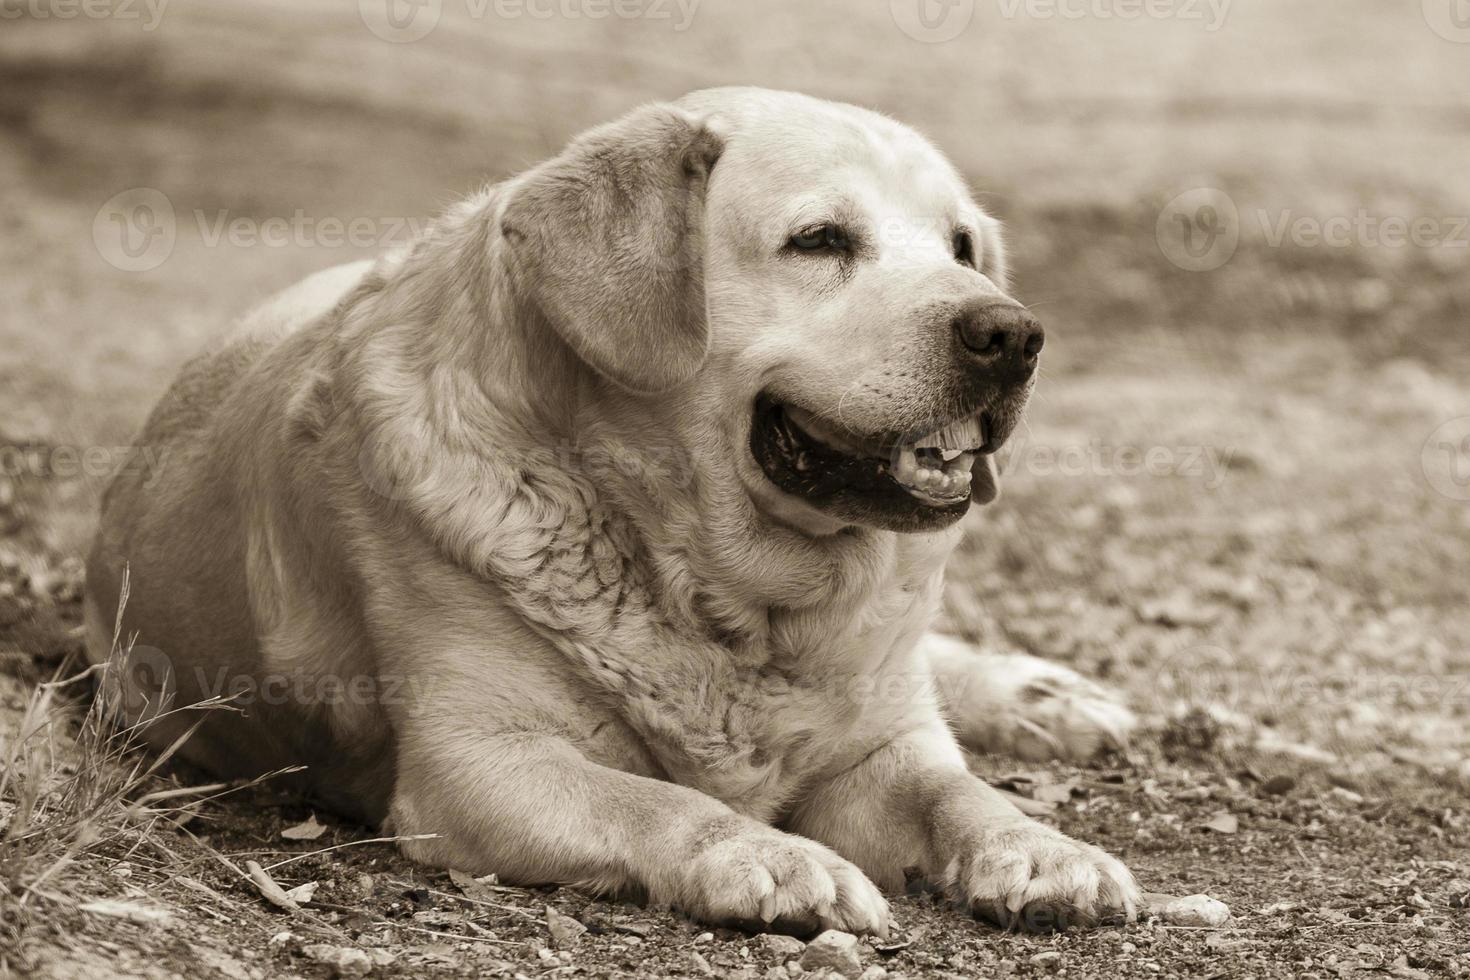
(964, 248)
(820, 237)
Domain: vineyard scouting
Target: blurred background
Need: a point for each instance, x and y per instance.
(1248, 463)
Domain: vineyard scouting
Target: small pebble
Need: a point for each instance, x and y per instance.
(565, 930)
(834, 950)
(1196, 910)
(1048, 960)
(781, 947)
(1278, 785)
(344, 960)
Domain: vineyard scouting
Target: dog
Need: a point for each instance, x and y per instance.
(594, 538)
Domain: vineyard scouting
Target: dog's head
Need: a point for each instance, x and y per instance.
(808, 291)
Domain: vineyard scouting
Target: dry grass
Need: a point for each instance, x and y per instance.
(82, 798)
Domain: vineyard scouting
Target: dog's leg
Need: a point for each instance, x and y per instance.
(532, 809)
(1022, 706)
(913, 804)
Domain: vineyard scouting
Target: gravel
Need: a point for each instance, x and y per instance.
(834, 950)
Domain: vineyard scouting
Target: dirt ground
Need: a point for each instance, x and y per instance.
(1243, 495)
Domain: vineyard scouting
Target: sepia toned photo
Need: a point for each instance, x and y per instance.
(747, 490)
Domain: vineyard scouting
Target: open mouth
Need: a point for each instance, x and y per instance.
(895, 481)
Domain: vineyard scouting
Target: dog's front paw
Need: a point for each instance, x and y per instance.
(1017, 872)
(754, 876)
(1018, 705)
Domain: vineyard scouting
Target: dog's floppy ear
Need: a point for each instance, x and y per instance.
(605, 241)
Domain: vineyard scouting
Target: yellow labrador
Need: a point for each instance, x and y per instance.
(598, 532)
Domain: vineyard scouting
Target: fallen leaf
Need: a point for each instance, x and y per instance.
(308, 829)
(302, 894)
(1222, 823)
(271, 891)
(1028, 806)
(480, 889)
(1055, 793)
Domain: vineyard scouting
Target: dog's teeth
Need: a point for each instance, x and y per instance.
(948, 482)
(951, 454)
(958, 436)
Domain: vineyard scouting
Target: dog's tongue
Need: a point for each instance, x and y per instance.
(984, 481)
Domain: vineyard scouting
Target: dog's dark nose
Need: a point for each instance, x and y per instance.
(1003, 335)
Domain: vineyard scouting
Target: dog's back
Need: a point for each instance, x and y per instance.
(172, 528)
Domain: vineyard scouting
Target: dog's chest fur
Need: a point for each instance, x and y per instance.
(746, 667)
(748, 699)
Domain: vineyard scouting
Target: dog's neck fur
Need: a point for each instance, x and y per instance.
(575, 500)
